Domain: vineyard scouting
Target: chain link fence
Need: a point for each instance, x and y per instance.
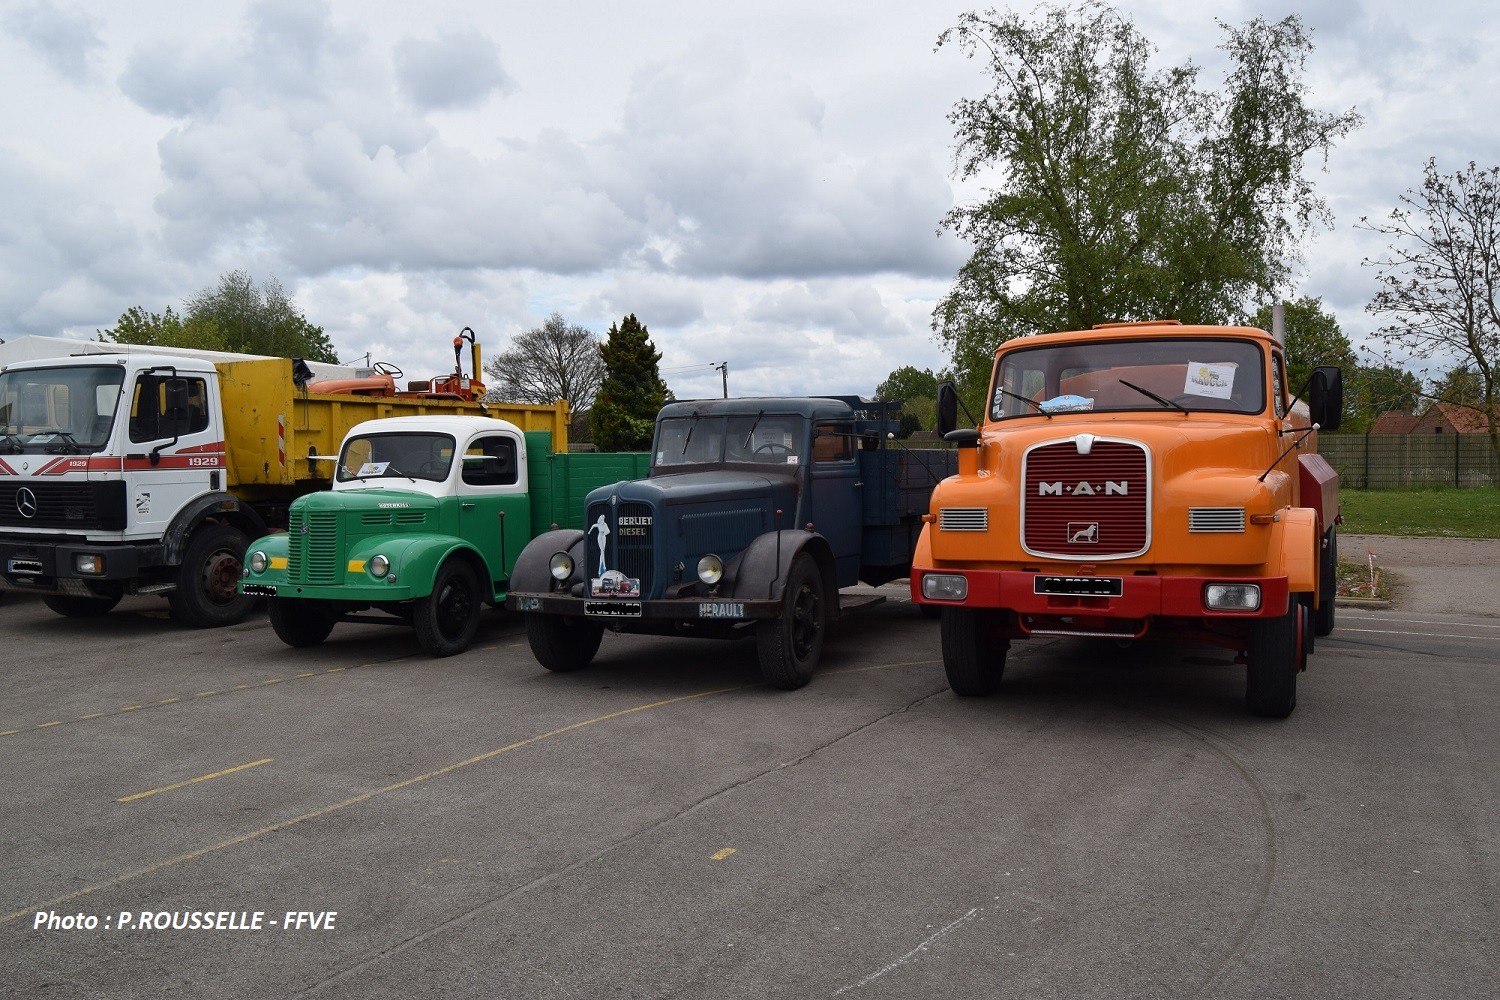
(1394, 461)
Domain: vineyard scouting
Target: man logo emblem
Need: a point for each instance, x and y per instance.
(1083, 532)
(26, 502)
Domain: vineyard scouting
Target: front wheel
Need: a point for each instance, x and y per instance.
(205, 596)
(301, 623)
(789, 645)
(447, 619)
(1275, 655)
(973, 654)
(560, 644)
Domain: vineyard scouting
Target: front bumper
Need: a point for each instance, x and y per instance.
(50, 567)
(623, 611)
(1141, 600)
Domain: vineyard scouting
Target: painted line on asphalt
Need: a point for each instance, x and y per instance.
(1393, 631)
(193, 781)
(1416, 621)
(182, 859)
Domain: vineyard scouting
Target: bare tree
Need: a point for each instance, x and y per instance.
(1440, 279)
(549, 362)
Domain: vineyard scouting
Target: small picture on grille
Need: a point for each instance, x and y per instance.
(614, 584)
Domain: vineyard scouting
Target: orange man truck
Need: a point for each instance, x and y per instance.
(1134, 480)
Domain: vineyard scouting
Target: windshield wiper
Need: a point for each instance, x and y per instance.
(72, 447)
(1027, 400)
(1160, 399)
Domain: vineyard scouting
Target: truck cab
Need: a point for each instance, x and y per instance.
(423, 521)
(755, 513)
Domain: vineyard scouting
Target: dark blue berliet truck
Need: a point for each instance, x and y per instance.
(754, 515)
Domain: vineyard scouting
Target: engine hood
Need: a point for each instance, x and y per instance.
(698, 487)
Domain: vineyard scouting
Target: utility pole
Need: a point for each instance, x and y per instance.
(724, 370)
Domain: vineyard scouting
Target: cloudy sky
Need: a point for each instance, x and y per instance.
(760, 183)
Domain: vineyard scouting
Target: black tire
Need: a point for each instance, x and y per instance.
(1323, 617)
(932, 612)
(301, 623)
(788, 646)
(973, 658)
(205, 596)
(1272, 660)
(560, 644)
(447, 619)
(70, 606)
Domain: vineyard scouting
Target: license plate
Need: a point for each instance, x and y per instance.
(612, 609)
(1080, 586)
(31, 566)
(260, 590)
(722, 609)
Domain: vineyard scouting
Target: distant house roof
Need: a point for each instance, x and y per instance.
(1394, 422)
(1463, 419)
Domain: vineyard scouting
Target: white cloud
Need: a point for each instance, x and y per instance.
(66, 38)
(457, 68)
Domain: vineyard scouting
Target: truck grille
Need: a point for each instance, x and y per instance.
(78, 506)
(964, 519)
(724, 532)
(383, 518)
(314, 551)
(630, 554)
(1086, 506)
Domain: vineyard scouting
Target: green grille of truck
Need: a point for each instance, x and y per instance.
(384, 518)
(314, 554)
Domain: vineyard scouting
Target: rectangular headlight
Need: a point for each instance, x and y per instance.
(1232, 596)
(88, 564)
(945, 587)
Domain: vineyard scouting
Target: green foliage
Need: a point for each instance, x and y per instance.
(632, 392)
(1461, 385)
(916, 388)
(1123, 193)
(236, 316)
(1370, 390)
(1313, 338)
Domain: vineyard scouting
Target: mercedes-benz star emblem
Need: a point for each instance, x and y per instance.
(26, 502)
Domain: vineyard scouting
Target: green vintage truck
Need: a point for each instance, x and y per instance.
(422, 527)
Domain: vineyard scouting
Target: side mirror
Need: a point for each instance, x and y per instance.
(1325, 400)
(947, 409)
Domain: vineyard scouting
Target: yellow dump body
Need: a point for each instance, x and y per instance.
(271, 426)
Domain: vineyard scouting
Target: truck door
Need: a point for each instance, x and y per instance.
(494, 511)
(174, 447)
(835, 494)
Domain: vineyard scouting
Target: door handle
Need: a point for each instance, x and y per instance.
(466, 505)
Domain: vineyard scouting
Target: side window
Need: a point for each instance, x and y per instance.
(149, 402)
(832, 443)
(1278, 385)
(491, 461)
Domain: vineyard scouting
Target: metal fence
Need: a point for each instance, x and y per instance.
(1393, 461)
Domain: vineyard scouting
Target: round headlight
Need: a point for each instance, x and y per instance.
(259, 562)
(710, 569)
(379, 565)
(561, 566)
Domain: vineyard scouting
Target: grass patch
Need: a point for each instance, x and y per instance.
(1357, 580)
(1425, 513)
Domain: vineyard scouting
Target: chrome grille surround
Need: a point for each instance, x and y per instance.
(1086, 507)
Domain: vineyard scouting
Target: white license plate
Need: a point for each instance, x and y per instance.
(722, 609)
(612, 609)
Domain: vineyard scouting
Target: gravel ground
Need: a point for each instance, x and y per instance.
(1436, 575)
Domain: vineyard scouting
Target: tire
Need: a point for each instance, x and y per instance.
(789, 645)
(447, 619)
(1323, 618)
(932, 612)
(1275, 654)
(972, 657)
(70, 606)
(301, 623)
(560, 644)
(205, 596)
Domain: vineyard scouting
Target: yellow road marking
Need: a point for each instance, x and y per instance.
(721, 855)
(194, 781)
(49, 725)
(131, 708)
(181, 859)
(205, 694)
(10, 732)
(168, 701)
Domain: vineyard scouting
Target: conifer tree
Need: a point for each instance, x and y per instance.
(625, 408)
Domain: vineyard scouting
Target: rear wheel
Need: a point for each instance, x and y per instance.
(205, 596)
(973, 653)
(562, 644)
(1275, 654)
(447, 619)
(301, 623)
(1328, 587)
(789, 645)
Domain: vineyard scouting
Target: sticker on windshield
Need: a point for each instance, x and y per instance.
(1214, 381)
(1066, 404)
(372, 469)
(791, 460)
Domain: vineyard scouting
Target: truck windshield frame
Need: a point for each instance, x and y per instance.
(1161, 374)
(761, 439)
(66, 410)
(426, 455)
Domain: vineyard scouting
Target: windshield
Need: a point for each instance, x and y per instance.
(59, 411)
(401, 456)
(747, 439)
(1189, 375)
